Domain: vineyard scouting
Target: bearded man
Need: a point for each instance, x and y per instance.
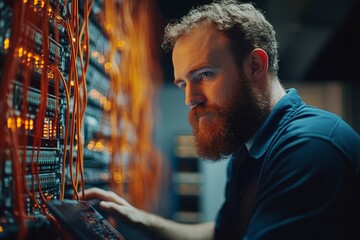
(294, 169)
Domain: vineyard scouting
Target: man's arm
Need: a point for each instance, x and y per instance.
(150, 224)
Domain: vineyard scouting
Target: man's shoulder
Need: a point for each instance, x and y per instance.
(318, 133)
(310, 121)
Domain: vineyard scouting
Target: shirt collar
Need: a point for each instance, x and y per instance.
(284, 109)
(250, 142)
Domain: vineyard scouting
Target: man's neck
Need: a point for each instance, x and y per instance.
(276, 92)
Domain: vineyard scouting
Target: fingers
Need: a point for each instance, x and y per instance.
(110, 206)
(120, 211)
(103, 195)
(96, 193)
(128, 214)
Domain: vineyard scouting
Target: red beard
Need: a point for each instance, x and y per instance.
(208, 126)
(220, 130)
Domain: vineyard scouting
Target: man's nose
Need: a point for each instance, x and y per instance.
(193, 95)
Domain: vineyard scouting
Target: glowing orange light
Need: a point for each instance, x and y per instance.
(90, 145)
(18, 122)
(6, 43)
(99, 146)
(95, 54)
(50, 128)
(107, 105)
(107, 66)
(53, 132)
(101, 59)
(50, 75)
(10, 123)
(120, 44)
(108, 26)
(103, 100)
(117, 177)
(31, 123)
(20, 52)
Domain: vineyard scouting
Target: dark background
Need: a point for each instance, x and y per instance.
(318, 39)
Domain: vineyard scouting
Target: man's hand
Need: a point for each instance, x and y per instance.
(152, 225)
(118, 206)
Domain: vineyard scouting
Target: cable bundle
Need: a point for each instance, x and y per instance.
(136, 163)
(35, 68)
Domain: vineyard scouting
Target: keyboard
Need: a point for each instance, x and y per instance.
(82, 220)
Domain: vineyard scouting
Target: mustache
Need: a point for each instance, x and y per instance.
(201, 110)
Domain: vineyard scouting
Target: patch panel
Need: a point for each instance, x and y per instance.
(55, 11)
(34, 37)
(45, 160)
(24, 124)
(46, 180)
(49, 183)
(34, 99)
(51, 129)
(30, 49)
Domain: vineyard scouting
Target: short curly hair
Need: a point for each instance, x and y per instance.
(244, 25)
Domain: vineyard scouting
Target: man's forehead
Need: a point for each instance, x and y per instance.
(203, 34)
(204, 41)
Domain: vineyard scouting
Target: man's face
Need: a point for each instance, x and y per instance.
(225, 110)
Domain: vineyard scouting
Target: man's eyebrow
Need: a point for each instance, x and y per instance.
(195, 71)
(188, 75)
(201, 69)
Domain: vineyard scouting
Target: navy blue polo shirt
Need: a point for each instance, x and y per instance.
(303, 173)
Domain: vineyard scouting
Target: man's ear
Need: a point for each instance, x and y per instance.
(256, 65)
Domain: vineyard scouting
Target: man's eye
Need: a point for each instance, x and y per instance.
(205, 75)
(182, 86)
